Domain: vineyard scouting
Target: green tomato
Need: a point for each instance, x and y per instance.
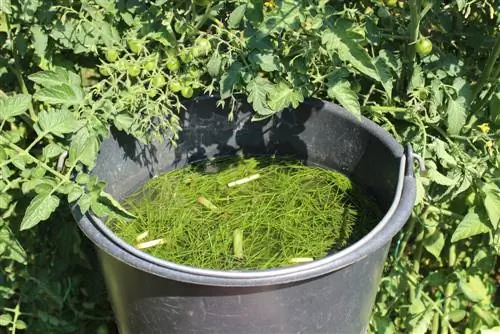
(175, 86)
(121, 64)
(423, 47)
(134, 70)
(173, 64)
(186, 56)
(202, 47)
(187, 92)
(391, 3)
(158, 81)
(135, 45)
(112, 55)
(152, 92)
(150, 65)
(105, 71)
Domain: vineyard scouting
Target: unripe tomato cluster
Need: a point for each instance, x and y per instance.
(174, 70)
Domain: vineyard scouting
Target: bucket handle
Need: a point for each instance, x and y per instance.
(412, 157)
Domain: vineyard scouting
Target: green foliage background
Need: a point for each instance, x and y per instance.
(71, 70)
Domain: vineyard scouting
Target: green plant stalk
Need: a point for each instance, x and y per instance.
(445, 323)
(408, 234)
(17, 313)
(35, 160)
(435, 323)
(17, 70)
(383, 109)
(490, 63)
(414, 34)
(416, 261)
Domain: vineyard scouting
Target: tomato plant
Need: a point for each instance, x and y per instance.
(71, 72)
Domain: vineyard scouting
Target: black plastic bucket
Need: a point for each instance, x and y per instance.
(331, 295)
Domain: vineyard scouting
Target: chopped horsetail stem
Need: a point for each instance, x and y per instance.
(243, 181)
(149, 244)
(206, 203)
(142, 236)
(287, 214)
(238, 243)
(301, 259)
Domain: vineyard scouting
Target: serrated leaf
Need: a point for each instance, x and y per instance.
(258, 90)
(75, 194)
(417, 80)
(123, 122)
(445, 158)
(348, 50)
(115, 206)
(470, 225)
(385, 76)
(434, 244)
(283, 96)
(417, 307)
(236, 16)
(51, 150)
(14, 105)
(84, 147)
(492, 203)
(473, 289)
(341, 91)
(435, 176)
(5, 200)
(424, 323)
(20, 324)
(214, 65)
(6, 318)
(39, 40)
(57, 122)
(266, 61)
(40, 209)
(229, 79)
(456, 115)
(50, 78)
(62, 94)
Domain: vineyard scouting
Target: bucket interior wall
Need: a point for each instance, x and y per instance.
(307, 133)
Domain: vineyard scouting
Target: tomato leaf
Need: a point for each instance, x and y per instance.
(434, 244)
(62, 94)
(469, 226)
(456, 111)
(40, 40)
(473, 289)
(14, 105)
(267, 62)
(214, 65)
(338, 40)
(236, 16)
(40, 209)
(341, 91)
(50, 79)
(283, 96)
(258, 90)
(84, 148)
(229, 79)
(58, 122)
